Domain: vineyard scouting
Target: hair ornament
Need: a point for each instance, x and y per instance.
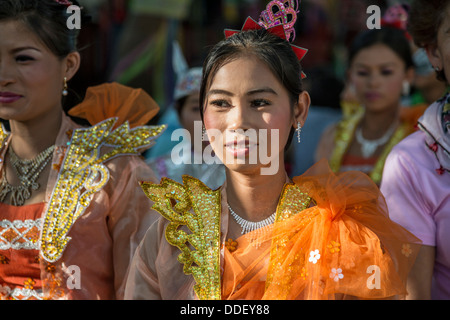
(279, 19)
(64, 2)
(280, 13)
(396, 16)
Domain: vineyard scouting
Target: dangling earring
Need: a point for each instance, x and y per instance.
(299, 131)
(406, 88)
(65, 92)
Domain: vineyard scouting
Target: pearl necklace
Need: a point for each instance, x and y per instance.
(368, 147)
(248, 226)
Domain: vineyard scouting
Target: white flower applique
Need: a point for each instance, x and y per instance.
(314, 256)
(336, 274)
(406, 250)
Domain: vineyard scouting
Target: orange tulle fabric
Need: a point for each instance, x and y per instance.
(110, 100)
(342, 247)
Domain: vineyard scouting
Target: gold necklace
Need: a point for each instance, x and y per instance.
(28, 172)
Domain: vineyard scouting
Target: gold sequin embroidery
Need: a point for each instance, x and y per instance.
(292, 202)
(194, 205)
(83, 173)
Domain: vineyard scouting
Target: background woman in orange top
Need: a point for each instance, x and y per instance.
(380, 69)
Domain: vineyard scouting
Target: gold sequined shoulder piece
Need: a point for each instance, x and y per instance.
(83, 173)
(400, 133)
(343, 137)
(194, 205)
(3, 135)
(293, 202)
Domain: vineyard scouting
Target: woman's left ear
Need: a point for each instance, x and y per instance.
(301, 108)
(71, 64)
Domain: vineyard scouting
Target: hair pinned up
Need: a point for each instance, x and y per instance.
(392, 37)
(47, 19)
(270, 45)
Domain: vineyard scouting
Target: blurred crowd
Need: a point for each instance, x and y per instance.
(130, 41)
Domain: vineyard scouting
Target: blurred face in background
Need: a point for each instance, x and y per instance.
(377, 74)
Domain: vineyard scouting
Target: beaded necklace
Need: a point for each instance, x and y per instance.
(248, 226)
(28, 172)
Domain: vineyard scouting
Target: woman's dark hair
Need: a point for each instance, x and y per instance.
(425, 18)
(47, 19)
(269, 48)
(392, 37)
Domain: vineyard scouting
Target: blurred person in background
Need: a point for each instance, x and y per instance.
(416, 179)
(182, 159)
(381, 71)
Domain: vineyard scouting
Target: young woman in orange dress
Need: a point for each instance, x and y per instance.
(262, 235)
(71, 208)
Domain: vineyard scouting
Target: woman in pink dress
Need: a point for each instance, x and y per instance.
(71, 209)
(416, 178)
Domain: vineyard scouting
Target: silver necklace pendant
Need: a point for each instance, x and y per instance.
(248, 226)
(368, 147)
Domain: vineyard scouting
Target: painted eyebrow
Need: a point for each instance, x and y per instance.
(262, 90)
(249, 93)
(15, 50)
(219, 91)
(387, 64)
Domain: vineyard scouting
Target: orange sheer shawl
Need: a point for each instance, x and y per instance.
(343, 247)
